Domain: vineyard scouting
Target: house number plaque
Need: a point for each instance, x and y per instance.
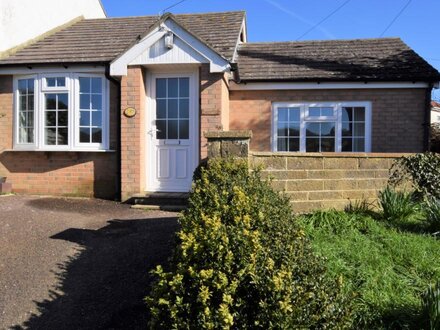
(130, 112)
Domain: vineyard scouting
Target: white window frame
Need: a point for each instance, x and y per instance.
(304, 118)
(72, 89)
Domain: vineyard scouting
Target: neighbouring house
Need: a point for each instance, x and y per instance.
(21, 21)
(435, 112)
(121, 105)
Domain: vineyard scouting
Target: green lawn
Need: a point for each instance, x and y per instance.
(385, 266)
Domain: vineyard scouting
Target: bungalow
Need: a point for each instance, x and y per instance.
(119, 106)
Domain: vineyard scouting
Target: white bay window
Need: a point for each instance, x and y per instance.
(321, 127)
(61, 112)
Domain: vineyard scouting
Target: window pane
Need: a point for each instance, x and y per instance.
(161, 126)
(314, 112)
(30, 101)
(327, 111)
(97, 118)
(312, 129)
(61, 81)
(84, 85)
(359, 145)
(347, 114)
(161, 110)
(97, 102)
(50, 82)
(22, 119)
(161, 88)
(184, 87)
(84, 135)
(22, 86)
(283, 114)
(172, 129)
(96, 85)
(283, 129)
(283, 144)
(30, 135)
(63, 118)
(184, 129)
(183, 108)
(63, 101)
(294, 114)
(50, 136)
(347, 129)
(294, 144)
(293, 129)
(347, 144)
(172, 108)
(327, 145)
(172, 87)
(359, 129)
(62, 136)
(30, 119)
(328, 129)
(51, 118)
(312, 144)
(51, 101)
(84, 101)
(96, 135)
(23, 102)
(84, 119)
(359, 114)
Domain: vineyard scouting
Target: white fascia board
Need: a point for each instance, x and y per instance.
(119, 66)
(323, 85)
(217, 63)
(47, 68)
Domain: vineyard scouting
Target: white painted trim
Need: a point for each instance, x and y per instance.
(338, 119)
(24, 70)
(323, 85)
(150, 165)
(217, 63)
(72, 88)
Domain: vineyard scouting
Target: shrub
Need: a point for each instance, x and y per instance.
(242, 262)
(360, 207)
(397, 205)
(431, 306)
(433, 213)
(421, 170)
(435, 138)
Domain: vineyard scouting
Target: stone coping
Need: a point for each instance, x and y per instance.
(243, 134)
(329, 154)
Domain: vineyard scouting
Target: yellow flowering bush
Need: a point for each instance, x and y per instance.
(242, 262)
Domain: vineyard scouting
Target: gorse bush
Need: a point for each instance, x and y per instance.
(421, 170)
(431, 306)
(242, 262)
(397, 205)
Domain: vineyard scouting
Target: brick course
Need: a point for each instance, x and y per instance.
(397, 114)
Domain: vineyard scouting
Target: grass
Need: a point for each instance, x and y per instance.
(385, 265)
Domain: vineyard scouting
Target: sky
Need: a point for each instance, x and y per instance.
(284, 20)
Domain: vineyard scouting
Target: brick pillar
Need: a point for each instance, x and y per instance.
(214, 104)
(132, 133)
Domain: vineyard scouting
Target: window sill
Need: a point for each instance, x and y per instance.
(51, 150)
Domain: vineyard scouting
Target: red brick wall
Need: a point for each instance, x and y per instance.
(214, 104)
(56, 173)
(132, 133)
(397, 114)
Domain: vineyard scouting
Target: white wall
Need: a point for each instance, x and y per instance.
(435, 116)
(22, 20)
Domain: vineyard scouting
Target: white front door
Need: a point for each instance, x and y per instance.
(172, 132)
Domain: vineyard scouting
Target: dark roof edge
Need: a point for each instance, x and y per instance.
(45, 64)
(315, 80)
(320, 40)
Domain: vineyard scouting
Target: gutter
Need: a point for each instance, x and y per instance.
(118, 134)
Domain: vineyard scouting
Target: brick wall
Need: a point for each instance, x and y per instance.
(132, 133)
(56, 173)
(322, 181)
(214, 104)
(397, 114)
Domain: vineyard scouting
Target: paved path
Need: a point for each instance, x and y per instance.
(77, 263)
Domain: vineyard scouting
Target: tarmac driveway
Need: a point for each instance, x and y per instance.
(78, 263)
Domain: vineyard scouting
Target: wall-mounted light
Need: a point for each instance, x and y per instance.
(169, 40)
